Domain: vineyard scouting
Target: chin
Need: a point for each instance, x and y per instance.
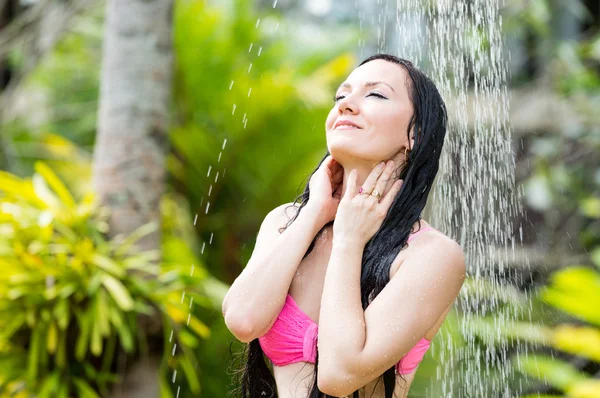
(342, 152)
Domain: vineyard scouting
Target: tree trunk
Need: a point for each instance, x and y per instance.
(131, 143)
(129, 155)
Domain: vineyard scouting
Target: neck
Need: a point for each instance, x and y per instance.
(363, 171)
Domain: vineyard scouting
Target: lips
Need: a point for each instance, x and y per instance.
(345, 125)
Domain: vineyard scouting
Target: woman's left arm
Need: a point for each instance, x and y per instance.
(356, 346)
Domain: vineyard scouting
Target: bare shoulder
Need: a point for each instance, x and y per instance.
(437, 246)
(435, 253)
(434, 238)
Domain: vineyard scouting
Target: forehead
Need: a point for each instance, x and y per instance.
(379, 70)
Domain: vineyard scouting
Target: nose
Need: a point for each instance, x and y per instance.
(347, 105)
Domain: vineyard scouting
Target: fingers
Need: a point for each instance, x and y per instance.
(371, 180)
(351, 185)
(328, 163)
(385, 178)
(338, 177)
(388, 198)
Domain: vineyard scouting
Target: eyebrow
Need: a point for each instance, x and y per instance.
(367, 84)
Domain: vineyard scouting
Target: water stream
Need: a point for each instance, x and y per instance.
(475, 201)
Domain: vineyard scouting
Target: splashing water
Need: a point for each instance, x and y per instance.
(475, 199)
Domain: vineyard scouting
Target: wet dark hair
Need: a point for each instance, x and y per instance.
(428, 125)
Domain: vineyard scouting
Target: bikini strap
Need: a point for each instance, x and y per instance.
(424, 229)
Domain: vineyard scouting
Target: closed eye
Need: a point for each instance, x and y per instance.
(339, 97)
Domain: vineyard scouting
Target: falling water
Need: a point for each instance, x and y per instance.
(475, 199)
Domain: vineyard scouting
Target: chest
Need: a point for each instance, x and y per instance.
(307, 285)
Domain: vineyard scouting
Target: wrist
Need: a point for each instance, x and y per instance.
(347, 243)
(316, 210)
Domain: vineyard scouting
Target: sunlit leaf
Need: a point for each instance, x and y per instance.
(557, 373)
(84, 389)
(191, 374)
(52, 338)
(581, 341)
(187, 318)
(118, 292)
(136, 235)
(589, 388)
(107, 264)
(49, 386)
(573, 290)
(44, 193)
(62, 314)
(591, 207)
(55, 184)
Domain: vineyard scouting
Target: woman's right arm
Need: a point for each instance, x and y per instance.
(256, 297)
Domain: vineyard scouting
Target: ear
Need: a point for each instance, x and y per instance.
(412, 138)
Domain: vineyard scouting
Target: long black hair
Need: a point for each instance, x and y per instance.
(428, 126)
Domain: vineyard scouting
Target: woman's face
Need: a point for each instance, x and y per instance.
(375, 98)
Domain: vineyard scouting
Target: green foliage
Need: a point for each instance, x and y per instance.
(575, 291)
(70, 299)
(250, 106)
(243, 101)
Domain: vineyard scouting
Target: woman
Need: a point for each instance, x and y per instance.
(336, 299)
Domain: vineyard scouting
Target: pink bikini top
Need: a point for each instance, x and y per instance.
(293, 337)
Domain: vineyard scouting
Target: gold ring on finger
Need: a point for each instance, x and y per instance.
(363, 191)
(376, 194)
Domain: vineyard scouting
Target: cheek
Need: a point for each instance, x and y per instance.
(393, 119)
(330, 119)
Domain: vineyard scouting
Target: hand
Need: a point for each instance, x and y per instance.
(325, 188)
(359, 216)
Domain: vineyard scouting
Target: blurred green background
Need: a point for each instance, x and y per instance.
(252, 85)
